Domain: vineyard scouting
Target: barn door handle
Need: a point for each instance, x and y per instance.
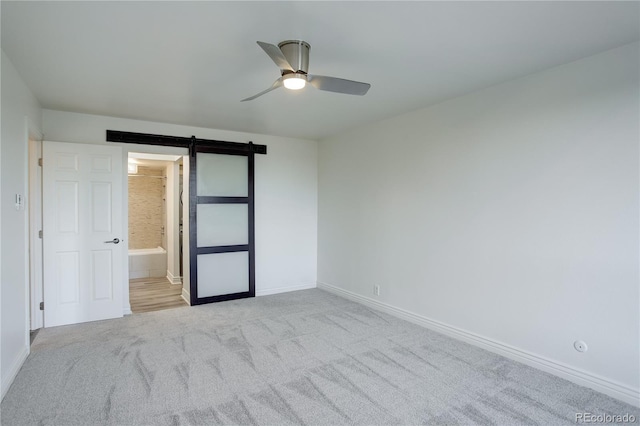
(114, 241)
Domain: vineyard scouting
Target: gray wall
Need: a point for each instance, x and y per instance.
(510, 214)
(20, 112)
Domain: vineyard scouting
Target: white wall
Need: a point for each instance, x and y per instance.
(20, 112)
(285, 191)
(508, 217)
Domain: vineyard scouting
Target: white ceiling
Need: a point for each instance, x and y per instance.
(141, 157)
(192, 62)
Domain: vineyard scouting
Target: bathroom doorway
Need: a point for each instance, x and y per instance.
(155, 232)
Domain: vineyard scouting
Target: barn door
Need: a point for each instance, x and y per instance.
(222, 255)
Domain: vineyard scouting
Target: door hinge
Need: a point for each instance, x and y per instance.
(40, 234)
(40, 162)
(42, 306)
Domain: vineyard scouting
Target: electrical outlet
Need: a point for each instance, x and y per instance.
(580, 346)
(376, 290)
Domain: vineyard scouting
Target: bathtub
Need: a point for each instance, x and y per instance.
(149, 262)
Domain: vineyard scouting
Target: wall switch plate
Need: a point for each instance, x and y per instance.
(376, 290)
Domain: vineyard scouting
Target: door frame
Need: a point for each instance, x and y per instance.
(164, 149)
(221, 147)
(35, 289)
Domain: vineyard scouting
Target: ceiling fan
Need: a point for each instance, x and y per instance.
(292, 57)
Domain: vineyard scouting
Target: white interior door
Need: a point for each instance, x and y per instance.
(82, 227)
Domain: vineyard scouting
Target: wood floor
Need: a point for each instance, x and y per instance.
(154, 294)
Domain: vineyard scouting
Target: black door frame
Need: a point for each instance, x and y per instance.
(195, 200)
(196, 145)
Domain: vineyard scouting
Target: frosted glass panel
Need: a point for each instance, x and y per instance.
(222, 175)
(223, 273)
(223, 224)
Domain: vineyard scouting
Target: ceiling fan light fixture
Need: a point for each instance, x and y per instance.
(292, 57)
(294, 81)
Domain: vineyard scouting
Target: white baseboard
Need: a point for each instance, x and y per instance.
(284, 289)
(575, 375)
(174, 279)
(127, 310)
(13, 371)
(186, 296)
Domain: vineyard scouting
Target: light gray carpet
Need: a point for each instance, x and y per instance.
(306, 357)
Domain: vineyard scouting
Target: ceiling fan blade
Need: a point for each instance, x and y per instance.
(274, 86)
(276, 55)
(338, 85)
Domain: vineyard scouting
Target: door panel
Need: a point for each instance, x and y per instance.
(101, 275)
(223, 273)
(82, 205)
(67, 278)
(67, 207)
(222, 175)
(222, 224)
(101, 206)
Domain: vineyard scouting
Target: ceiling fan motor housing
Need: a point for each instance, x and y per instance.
(297, 54)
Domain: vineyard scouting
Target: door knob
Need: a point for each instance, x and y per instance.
(114, 241)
